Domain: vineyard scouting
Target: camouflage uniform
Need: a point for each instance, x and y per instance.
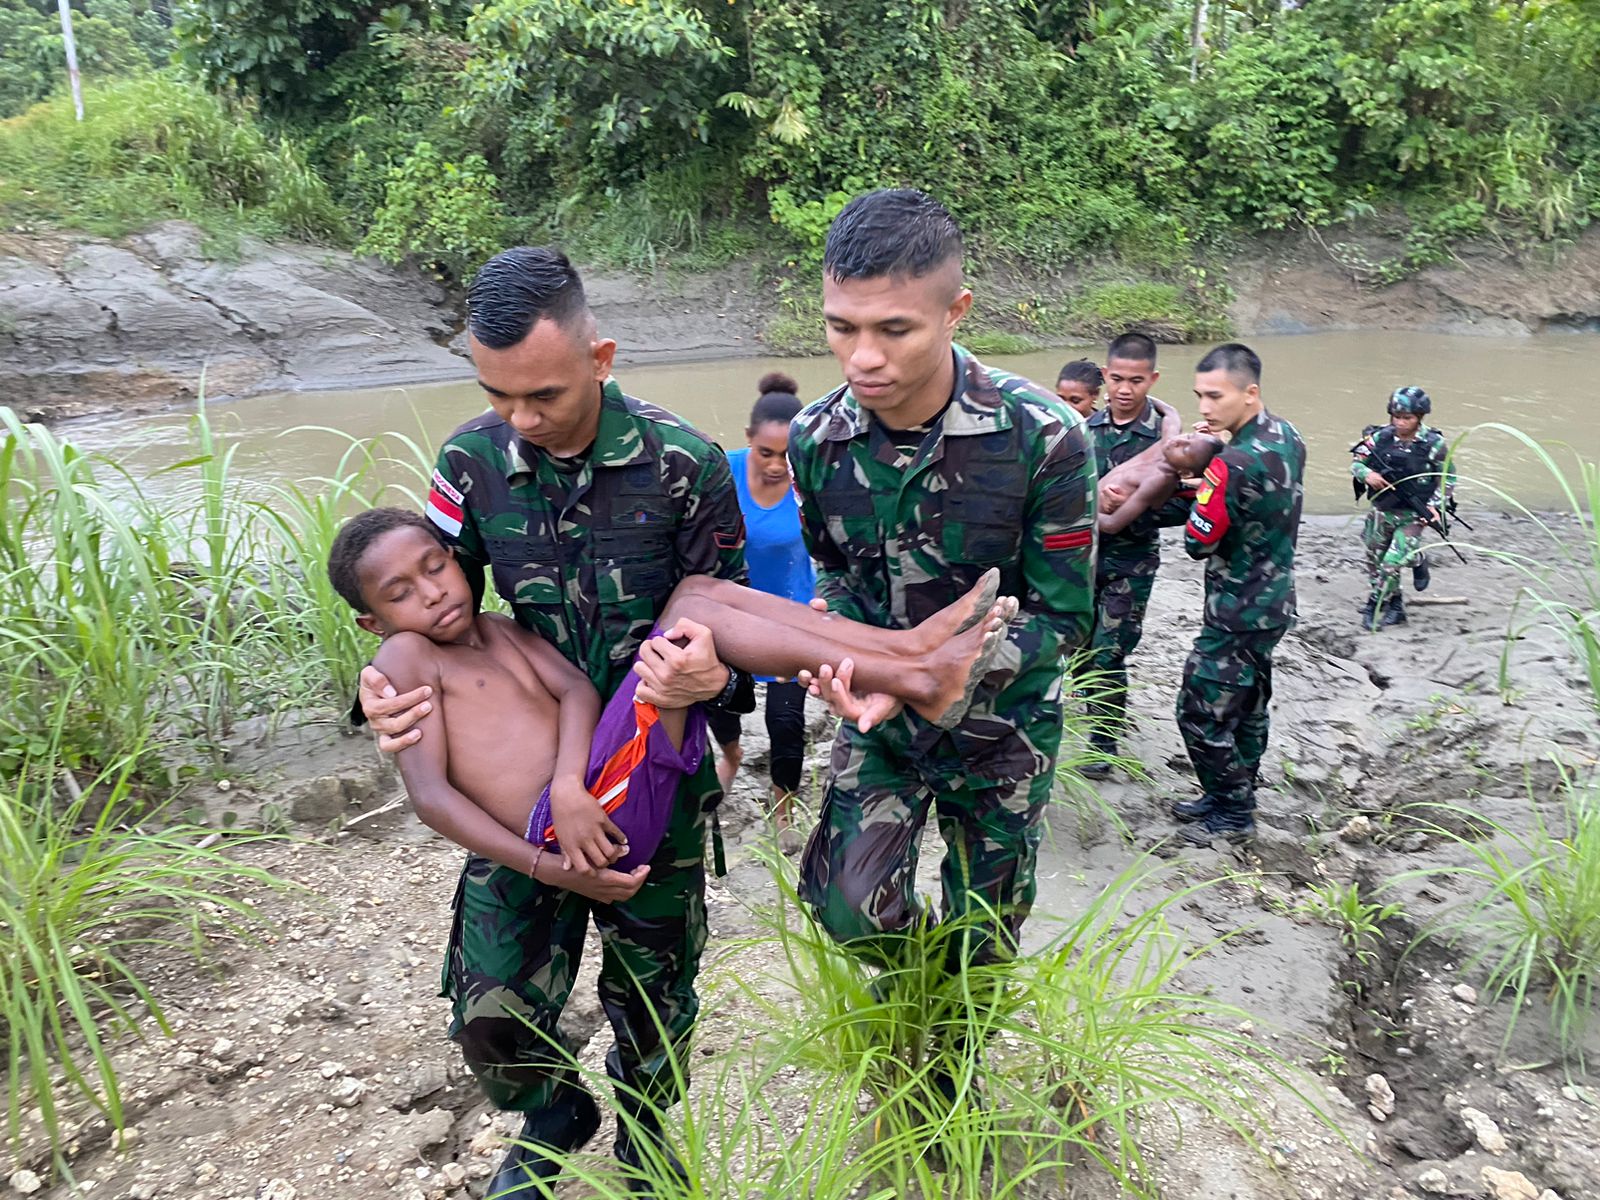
(1245, 521)
(586, 552)
(1125, 574)
(901, 523)
(1392, 533)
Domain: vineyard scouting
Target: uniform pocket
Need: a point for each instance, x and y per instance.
(983, 530)
(526, 571)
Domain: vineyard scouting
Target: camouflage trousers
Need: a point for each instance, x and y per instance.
(1222, 712)
(1393, 541)
(514, 952)
(859, 871)
(1119, 605)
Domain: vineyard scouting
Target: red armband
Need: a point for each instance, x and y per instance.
(1208, 521)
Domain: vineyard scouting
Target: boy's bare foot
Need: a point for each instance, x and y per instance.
(961, 665)
(961, 616)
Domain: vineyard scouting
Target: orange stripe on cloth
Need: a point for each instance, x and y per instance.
(610, 786)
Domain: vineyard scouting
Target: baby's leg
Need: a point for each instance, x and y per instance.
(802, 619)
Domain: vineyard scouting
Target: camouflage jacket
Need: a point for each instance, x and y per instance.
(1137, 549)
(587, 558)
(1418, 466)
(1006, 478)
(1244, 523)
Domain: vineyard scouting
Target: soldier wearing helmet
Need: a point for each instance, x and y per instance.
(1402, 466)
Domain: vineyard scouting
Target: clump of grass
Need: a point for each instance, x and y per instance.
(1165, 311)
(88, 876)
(1533, 925)
(154, 147)
(1358, 920)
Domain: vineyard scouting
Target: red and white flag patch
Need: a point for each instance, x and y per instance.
(445, 505)
(1208, 520)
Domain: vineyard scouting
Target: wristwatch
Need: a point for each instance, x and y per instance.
(729, 689)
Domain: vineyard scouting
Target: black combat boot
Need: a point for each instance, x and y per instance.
(1369, 611)
(1234, 827)
(642, 1150)
(1421, 576)
(1394, 611)
(569, 1122)
(1104, 747)
(1197, 808)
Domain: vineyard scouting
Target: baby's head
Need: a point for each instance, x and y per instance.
(393, 567)
(1191, 453)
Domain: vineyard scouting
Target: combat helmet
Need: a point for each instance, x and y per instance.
(1412, 401)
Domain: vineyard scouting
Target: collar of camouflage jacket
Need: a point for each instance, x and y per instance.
(1147, 423)
(618, 440)
(976, 407)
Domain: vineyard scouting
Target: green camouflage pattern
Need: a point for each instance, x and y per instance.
(1393, 541)
(1222, 713)
(1120, 602)
(1244, 524)
(1004, 478)
(1420, 466)
(586, 559)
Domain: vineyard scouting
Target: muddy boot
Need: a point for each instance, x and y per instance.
(1369, 612)
(1421, 577)
(1394, 611)
(1196, 808)
(1104, 747)
(565, 1126)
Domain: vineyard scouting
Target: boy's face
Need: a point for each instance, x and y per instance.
(413, 584)
(1128, 384)
(1190, 453)
(1079, 395)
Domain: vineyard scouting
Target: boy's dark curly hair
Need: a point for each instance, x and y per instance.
(355, 538)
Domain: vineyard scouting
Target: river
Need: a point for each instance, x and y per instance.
(1328, 384)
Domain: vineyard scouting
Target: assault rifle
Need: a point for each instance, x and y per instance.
(1405, 490)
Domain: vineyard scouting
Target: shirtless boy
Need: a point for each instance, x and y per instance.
(513, 718)
(1150, 478)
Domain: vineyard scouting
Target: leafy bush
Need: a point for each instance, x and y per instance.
(113, 37)
(151, 148)
(445, 214)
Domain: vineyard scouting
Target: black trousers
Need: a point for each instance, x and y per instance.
(786, 728)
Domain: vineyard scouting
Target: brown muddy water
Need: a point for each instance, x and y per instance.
(1328, 384)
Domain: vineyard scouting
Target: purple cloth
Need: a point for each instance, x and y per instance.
(652, 786)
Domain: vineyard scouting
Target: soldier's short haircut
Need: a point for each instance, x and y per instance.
(897, 231)
(778, 401)
(355, 538)
(517, 288)
(1239, 361)
(1081, 370)
(1133, 347)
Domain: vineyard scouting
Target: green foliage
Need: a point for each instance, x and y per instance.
(1166, 311)
(113, 37)
(86, 876)
(445, 214)
(152, 148)
(1359, 921)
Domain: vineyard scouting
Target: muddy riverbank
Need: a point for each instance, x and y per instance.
(315, 1066)
(89, 325)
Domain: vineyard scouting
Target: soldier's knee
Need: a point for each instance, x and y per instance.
(851, 912)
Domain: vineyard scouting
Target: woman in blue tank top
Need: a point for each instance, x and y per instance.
(778, 565)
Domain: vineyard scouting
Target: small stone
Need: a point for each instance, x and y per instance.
(205, 1172)
(1508, 1185)
(1380, 1097)
(279, 1189)
(1465, 993)
(485, 1141)
(1486, 1133)
(1356, 830)
(224, 785)
(1434, 1180)
(456, 1175)
(222, 1048)
(25, 1182)
(330, 1070)
(1549, 1194)
(347, 1092)
(122, 1139)
(142, 1190)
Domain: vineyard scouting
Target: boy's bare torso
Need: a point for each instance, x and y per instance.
(500, 721)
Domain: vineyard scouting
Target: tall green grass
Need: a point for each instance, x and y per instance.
(91, 878)
(140, 623)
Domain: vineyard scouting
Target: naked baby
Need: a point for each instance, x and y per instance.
(1152, 477)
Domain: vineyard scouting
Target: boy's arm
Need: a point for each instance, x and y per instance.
(408, 660)
(589, 839)
(1171, 422)
(1155, 491)
(833, 568)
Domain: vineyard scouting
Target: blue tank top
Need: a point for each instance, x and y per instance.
(773, 548)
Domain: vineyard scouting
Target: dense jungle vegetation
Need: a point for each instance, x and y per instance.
(704, 131)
